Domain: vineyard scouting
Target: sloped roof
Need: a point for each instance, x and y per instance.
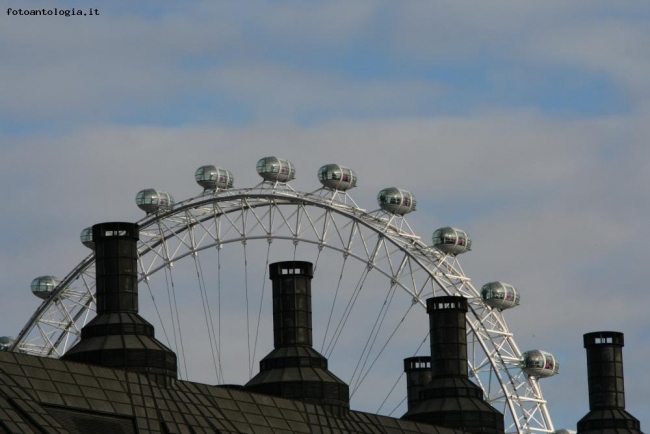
(48, 395)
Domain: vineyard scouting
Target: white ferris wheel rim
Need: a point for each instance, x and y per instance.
(520, 396)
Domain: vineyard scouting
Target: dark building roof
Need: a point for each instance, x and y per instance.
(120, 379)
(48, 395)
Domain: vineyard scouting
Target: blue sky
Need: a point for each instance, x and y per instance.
(528, 119)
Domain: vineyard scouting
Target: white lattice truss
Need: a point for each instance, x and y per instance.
(332, 220)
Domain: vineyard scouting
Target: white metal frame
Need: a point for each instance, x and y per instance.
(274, 211)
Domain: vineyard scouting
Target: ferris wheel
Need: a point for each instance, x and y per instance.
(203, 277)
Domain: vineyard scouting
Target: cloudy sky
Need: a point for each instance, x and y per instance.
(525, 123)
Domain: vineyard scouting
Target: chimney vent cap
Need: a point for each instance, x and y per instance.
(447, 302)
(115, 229)
(603, 338)
(291, 268)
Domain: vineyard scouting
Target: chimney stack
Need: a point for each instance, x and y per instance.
(118, 337)
(451, 399)
(606, 388)
(294, 369)
(418, 375)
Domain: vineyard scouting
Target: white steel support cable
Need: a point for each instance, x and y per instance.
(167, 267)
(391, 291)
(178, 322)
(383, 348)
(208, 316)
(153, 300)
(399, 378)
(346, 313)
(401, 375)
(171, 312)
(371, 341)
(259, 313)
(336, 293)
(320, 249)
(219, 343)
(248, 331)
(397, 406)
(216, 224)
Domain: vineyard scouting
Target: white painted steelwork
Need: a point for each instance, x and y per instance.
(381, 242)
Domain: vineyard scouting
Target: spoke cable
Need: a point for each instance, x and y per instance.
(398, 405)
(392, 296)
(320, 249)
(373, 332)
(180, 332)
(336, 293)
(171, 312)
(207, 314)
(383, 348)
(153, 299)
(178, 319)
(347, 312)
(399, 378)
(259, 314)
(248, 331)
(295, 247)
(219, 310)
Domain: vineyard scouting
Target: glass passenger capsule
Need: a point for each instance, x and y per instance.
(500, 295)
(396, 201)
(540, 364)
(213, 178)
(5, 343)
(451, 240)
(276, 169)
(43, 286)
(151, 200)
(86, 238)
(337, 177)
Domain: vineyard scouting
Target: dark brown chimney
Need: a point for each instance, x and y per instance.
(451, 399)
(118, 337)
(418, 375)
(291, 303)
(606, 386)
(294, 369)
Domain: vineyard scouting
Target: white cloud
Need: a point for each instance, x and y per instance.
(584, 212)
(556, 206)
(277, 91)
(613, 47)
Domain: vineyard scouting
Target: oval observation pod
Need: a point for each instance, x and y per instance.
(276, 169)
(43, 286)
(151, 200)
(500, 295)
(213, 178)
(540, 364)
(337, 177)
(451, 240)
(396, 201)
(5, 343)
(86, 238)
